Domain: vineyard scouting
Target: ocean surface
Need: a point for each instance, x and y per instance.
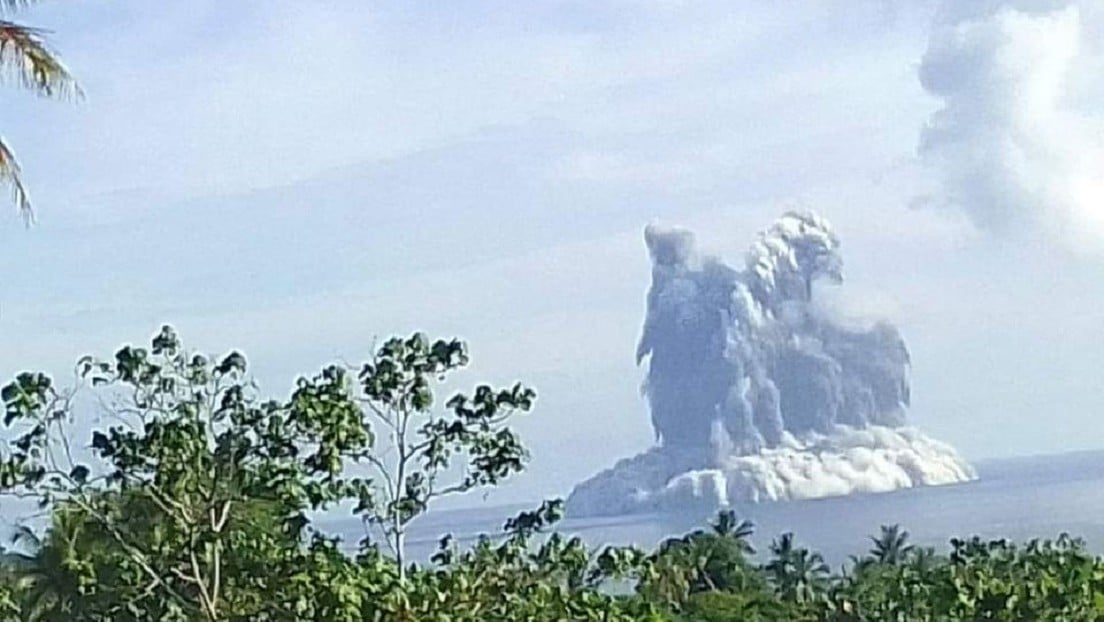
(1019, 499)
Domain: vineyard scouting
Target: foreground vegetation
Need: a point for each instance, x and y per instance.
(186, 496)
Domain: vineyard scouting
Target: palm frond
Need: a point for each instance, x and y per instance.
(16, 5)
(11, 174)
(24, 535)
(11, 6)
(25, 57)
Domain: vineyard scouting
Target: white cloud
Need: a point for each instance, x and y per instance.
(1006, 144)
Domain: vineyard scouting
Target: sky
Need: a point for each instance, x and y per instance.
(301, 180)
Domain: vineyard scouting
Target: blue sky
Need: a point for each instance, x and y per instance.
(300, 179)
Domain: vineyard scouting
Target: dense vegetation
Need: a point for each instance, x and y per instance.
(175, 492)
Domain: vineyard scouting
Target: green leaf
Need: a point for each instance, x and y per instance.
(79, 474)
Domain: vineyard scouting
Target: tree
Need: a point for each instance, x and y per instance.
(25, 55)
(424, 445)
(891, 546)
(47, 589)
(703, 561)
(798, 574)
(522, 578)
(746, 606)
(728, 525)
(195, 498)
(196, 480)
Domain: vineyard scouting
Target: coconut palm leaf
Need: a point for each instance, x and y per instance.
(27, 60)
(10, 175)
(891, 547)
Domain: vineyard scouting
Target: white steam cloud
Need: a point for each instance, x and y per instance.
(847, 461)
(755, 395)
(1008, 145)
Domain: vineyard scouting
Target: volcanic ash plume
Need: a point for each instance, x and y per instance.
(755, 395)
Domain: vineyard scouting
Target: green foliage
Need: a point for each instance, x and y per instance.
(747, 606)
(193, 501)
(797, 574)
(177, 483)
(713, 560)
(979, 580)
(521, 578)
(891, 547)
(396, 387)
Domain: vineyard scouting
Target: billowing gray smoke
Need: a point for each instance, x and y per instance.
(755, 393)
(745, 347)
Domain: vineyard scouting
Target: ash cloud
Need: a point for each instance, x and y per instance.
(746, 348)
(755, 394)
(1007, 145)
